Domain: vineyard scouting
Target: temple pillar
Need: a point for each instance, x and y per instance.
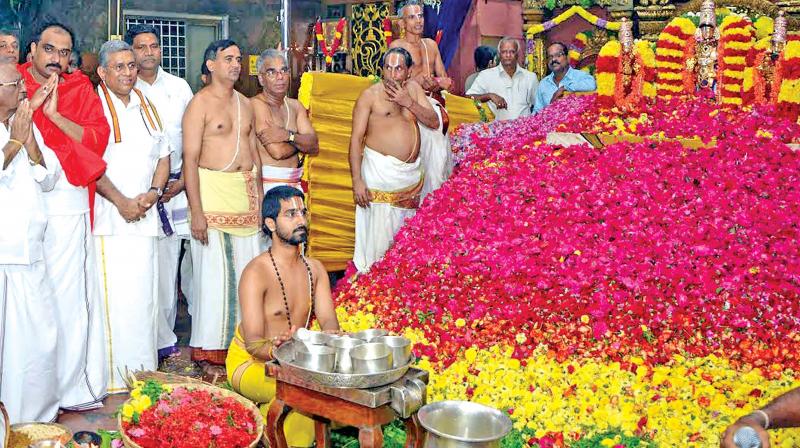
(653, 17)
(533, 13)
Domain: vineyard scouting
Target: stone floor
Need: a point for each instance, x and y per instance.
(104, 418)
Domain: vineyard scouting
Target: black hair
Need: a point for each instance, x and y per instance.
(78, 58)
(139, 28)
(37, 35)
(271, 206)
(9, 31)
(402, 52)
(212, 50)
(483, 56)
(562, 45)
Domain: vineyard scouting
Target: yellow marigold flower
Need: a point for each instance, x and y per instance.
(127, 412)
(585, 319)
(521, 338)
(460, 322)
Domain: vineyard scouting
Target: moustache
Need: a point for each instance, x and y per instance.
(54, 65)
(303, 228)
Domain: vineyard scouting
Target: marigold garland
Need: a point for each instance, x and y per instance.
(674, 47)
(789, 91)
(608, 71)
(337, 39)
(737, 39)
(387, 30)
(579, 10)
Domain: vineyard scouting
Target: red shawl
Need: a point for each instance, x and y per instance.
(82, 161)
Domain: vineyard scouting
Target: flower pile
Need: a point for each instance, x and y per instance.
(160, 416)
(643, 287)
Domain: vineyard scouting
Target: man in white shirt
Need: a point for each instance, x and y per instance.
(126, 222)
(28, 329)
(171, 95)
(69, 121)
(508, 88)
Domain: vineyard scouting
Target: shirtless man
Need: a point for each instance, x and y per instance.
(384, 150)
(428, 69)
(224, 192)
(284, 132)
(278, 292)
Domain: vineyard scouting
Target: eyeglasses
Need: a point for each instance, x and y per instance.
(12, 83)
(272, 73)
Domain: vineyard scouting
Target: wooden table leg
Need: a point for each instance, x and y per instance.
(322, 433)
(275, 420)
(415, 436)
(370, 437)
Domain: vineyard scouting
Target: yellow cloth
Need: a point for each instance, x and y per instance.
(248, 378)
(330, 98)
(230, 201)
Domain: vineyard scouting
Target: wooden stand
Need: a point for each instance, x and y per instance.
(331, 405)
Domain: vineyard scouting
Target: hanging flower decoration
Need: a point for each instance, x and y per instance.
(337, 39)
(789, 91)
(674, 47)
(586, 15)
(387, 31)
(737, 38)
(621, 86)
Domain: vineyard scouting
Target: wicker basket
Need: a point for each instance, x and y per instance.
(213, 389)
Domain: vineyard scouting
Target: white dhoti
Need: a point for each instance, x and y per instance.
(434, 152)
(28, 338)
(72, 269)
(395, 190)
(217, 269)
(128, 268)
(169, 262)
(230, 205)
(274, 176)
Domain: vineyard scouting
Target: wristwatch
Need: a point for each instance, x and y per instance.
(291, 137)
(159, 192)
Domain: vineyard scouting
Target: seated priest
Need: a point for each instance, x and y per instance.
(562, 78)
(279, 292)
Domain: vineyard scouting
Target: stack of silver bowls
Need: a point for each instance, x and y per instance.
(365, 352)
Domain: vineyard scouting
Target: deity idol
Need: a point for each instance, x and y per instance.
(704, 63)
(767, 62)
(628, 59)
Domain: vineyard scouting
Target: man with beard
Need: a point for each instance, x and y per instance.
(171, 95)
(70, 121)
(562, 78)
(126, 226)
(279, 291)
(9, 46)
(284, 132)
(384, 156)
(509, 88)
(221, 166)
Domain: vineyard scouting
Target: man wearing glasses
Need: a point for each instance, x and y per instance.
(562, 78)
(28, 330)
(126, 224)
(284, 132)
(9, 46)
(171, 95)
(69, 120)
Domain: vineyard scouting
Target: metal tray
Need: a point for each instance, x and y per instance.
(284, 354)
